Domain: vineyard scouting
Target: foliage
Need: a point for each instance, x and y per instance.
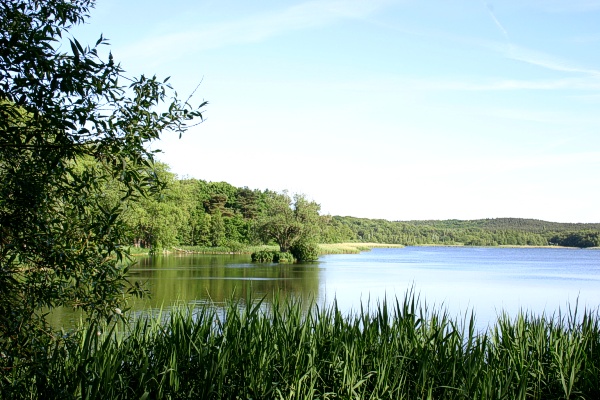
(576, 239)
(287, 221)
(191, 212)
(69, 128)
(488, 232)
(267, 256)
(305, 250)
(394, 350)
(283, 258)
(156, 219)
(263, 256)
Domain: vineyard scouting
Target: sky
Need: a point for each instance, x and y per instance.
(402, 110)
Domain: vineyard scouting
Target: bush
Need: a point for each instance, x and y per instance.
(266, 256)
(284, 257)
(263, 256)
(305, 251)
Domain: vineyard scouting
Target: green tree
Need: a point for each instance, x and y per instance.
(61, 242)
(157, 219)
(217, 229)
(287, 220)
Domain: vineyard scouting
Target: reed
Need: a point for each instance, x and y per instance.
(399, 349)
(351, 247)
(237, 249)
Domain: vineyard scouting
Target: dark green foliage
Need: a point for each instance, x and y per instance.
(396, 350)
(264, 256)
(576, 239)
(305, 251)
(488, 232)
(283, 258)
(193, 212)
(287, 220)
(198, 213)
(69, 129)
(267, 256)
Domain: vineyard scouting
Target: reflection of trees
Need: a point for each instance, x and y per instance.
(210, 278)
(218, 278)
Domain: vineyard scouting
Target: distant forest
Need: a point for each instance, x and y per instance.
(193, 212)
(481, 232)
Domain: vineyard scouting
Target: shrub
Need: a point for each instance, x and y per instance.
(263, 256)
(305, 251)
(284, 257)
(266, 256)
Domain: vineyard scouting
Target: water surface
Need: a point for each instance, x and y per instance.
(485, 280)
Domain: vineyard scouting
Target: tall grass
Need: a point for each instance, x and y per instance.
(237, 249)
(351, 247)
(325, 248)
(393, 350)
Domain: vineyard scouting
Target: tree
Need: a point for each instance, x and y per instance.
(287, 221)
(156, 220)
(61, 240)
(217, 229)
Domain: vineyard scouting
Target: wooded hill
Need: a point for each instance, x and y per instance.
(482, 232)
(523, 224)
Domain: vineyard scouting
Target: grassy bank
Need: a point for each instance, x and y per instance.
(329, 248)
(223, 249)
(324, 248)
(352, 248)
(397, 350)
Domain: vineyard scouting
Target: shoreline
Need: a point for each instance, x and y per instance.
(337, 248)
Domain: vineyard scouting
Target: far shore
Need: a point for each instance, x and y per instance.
(328, 248)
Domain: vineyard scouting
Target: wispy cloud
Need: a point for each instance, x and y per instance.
(254, 28)
(509, 50)
(546, 61)
(492, 14)
(535, 57)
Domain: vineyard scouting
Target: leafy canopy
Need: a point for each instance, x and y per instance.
(70, 121)
(288, 220)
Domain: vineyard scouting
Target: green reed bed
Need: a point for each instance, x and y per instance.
(234, 249)
(394, 350)
(351, 247)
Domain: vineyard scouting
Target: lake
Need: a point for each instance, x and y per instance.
(486, 280)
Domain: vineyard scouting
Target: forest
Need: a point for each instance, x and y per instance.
(194, 212)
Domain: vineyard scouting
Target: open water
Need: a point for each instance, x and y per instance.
(487, 281)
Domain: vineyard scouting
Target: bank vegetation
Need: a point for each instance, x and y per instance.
(399, 349)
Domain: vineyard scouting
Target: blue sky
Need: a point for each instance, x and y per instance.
(382, 109)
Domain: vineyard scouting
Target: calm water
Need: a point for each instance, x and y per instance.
(486, 280)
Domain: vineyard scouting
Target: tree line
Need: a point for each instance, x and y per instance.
(483, 232)
(194, 212)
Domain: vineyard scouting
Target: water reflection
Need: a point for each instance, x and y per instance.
(486, 280)
(218, 278)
